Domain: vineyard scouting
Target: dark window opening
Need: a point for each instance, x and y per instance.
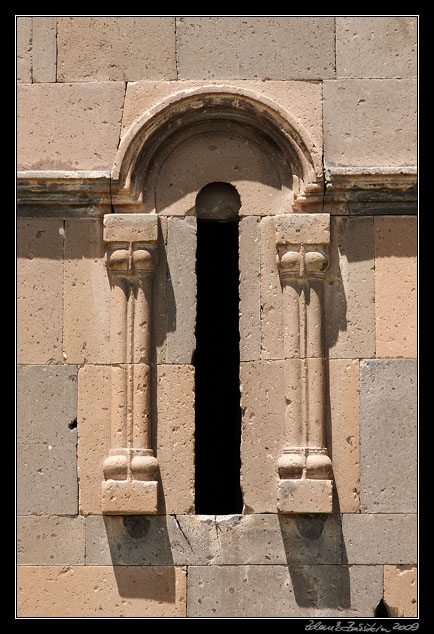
(217, 359)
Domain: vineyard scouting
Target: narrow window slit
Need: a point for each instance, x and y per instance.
(217, 360)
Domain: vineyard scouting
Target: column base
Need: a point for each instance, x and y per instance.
(305, 496)
(129, 497)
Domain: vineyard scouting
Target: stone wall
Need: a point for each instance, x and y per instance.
(346, 87)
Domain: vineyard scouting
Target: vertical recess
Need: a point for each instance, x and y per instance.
(217, 360)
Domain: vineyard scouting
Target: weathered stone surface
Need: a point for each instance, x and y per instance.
(129, 497)
(388, 436)
(283, 591)
(50, 540)
(173, 436)
(271, 295)
(344, 425)
(101, 591)
(39, 290)
(400, 591)
(181, 290)
(370, 122)
(120, 48)
(349, 297)
(255, 47)
(44, 49)
(302, 229)
(157, 540)
(159, 297)
(250, 300)
(46, 440)
(302, 99)
(94, 398)
(86, 328)
(395, 240)
(262, 433)
(68, 126)
(380, 538)
(24, 49)
(130, 228)
(376, 46)
(305, 496)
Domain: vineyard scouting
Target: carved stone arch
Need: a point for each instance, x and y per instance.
(223, 111)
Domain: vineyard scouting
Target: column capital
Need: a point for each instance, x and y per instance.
(302, 242)
(131, 243)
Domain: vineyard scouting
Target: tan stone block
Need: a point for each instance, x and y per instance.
(39, 290)
(263, 414)
(376, 46)
(101, 591)
(94, 383)
(246, 47)
(131, 498)
(24, 49)
(305, 496)
(173, 436)
(400, 591)
(344, 395)
(395, 240)
(68, 126)
(271, 295)
(370, 122)
(302, 229)
(349, 296)
(86, 329)
(249, 289)
(302, 99)
(44, 49)
(124, 48)
(50, 540)
(130, 228)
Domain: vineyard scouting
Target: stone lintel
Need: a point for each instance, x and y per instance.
(129, 497)
(305, 496)
(308, 228)
(131, 228)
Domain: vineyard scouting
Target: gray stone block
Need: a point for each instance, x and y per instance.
(379, 538)
(283, 591)
(50, 540)
(181, 290)
(47, 440)
(388, 429)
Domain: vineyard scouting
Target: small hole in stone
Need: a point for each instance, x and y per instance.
(73, 424)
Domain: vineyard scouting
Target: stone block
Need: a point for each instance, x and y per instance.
(39, 290)
(68, 126)
(50, 540)
(101, 591)
(46, 440)
(181, 290)
(395, 240)
(388, 436)
(380, 538)
(376, 46)
(302, 229)
(24, 49)
(133, 497)
(349, 295)
(86, 329)
(158, 540)
(94, 396)
(131, 228)
(44, 49)
(370, 122)
(302, 99)
(262, 432)
(159, 297)
(245, 47)
(121, 48)
(283, 591)
(271, 295)
(344, 426)
(400, 591)
(250, 300)
(305, 496)
(173, 436)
